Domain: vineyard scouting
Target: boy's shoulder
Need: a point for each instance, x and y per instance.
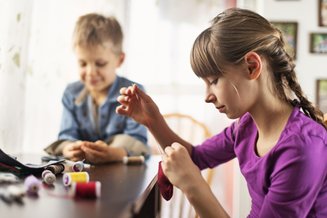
(124, 82)
(74, 88)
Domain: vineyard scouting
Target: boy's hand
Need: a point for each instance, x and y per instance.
(99, 152)
(137, 105)
(73, 151)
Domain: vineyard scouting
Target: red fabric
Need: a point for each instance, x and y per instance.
(165, 187)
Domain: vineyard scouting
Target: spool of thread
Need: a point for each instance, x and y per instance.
(48, 177)
(69, 178)
(134, 160)
(16, 192)
(78, 166)
(56, 168)
(85, 190)
(32, 185)
(71, 166)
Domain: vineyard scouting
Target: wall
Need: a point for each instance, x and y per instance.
(305, 12)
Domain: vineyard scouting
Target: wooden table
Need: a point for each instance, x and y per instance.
(126, 191)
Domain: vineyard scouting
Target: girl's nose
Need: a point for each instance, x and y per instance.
(210, 98)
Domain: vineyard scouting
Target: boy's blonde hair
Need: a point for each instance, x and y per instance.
(95, 29)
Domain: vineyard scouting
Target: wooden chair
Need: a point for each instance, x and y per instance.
(194, 132)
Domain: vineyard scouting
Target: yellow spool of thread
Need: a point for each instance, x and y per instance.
(70, 177)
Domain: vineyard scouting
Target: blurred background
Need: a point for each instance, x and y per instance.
(37, 62)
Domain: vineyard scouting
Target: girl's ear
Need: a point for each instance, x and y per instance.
(254, 64)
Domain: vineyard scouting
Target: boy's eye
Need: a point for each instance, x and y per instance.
(101, 64)
(82, 64)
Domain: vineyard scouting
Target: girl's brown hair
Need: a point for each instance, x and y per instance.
(95, 29)
(236, 32)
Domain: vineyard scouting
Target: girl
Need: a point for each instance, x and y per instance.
(279, 137)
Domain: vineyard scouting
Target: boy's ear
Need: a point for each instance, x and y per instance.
(254, 64)
(121, 59)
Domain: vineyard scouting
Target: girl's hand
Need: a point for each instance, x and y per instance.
(179, 168)
(137, 105)
(99, 152)
(73, 151)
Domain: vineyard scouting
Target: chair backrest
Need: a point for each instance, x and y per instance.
(186, 127)
(194, 132)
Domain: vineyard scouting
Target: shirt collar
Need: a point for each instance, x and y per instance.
(111, 96)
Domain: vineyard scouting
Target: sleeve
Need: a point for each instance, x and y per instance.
(133, 146)
(69, 125)
(215, 150)
(56, 147)
(297, 178)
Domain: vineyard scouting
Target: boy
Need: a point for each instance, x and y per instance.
(89, 122)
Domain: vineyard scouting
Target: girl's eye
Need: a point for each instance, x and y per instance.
(214, 82)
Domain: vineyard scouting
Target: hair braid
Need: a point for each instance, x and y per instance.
(286, 81)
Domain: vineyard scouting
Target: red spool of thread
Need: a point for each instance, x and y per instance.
(86, 189)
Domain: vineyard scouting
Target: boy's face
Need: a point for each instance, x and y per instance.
(97, 66)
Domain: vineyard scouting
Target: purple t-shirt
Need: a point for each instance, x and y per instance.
(288, 181)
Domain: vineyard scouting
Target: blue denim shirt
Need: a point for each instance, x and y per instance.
(78, 122)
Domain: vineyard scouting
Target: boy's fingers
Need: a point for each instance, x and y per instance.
(96, 147)
(92, 152)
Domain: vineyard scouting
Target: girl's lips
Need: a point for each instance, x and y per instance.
(221, 109)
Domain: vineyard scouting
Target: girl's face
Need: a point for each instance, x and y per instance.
(97, 66)
(232, 93)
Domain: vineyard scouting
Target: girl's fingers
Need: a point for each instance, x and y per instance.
(126, 90)
(122, 91)
(177, 146)
(138, 92)
(122, 110)
(169, 150)
(124, 100)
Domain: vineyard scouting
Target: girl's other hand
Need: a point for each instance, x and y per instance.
(73, 151)
(137, 105)
(179, 168)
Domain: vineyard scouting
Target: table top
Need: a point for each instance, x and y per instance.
(124, 189)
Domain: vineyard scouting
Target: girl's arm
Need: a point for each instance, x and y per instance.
(190, 182)
(139, 106)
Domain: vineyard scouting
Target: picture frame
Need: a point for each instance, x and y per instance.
(318, 43)
(321, 94)
(322, 12)
(289, 30)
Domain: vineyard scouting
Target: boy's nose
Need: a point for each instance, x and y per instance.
(91, 70)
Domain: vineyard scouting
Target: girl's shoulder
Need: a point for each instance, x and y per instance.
(301, 125)
(303, 134)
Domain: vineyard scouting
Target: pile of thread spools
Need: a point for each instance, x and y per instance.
(76, 181)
